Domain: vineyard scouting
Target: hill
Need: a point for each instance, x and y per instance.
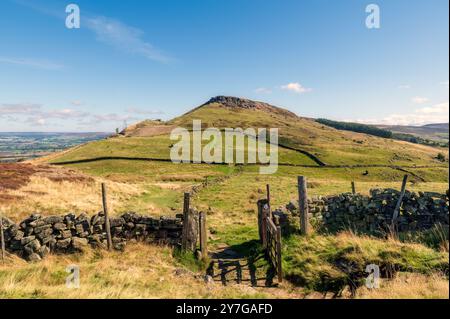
(438, 132)
(303, 140)
(140, 176)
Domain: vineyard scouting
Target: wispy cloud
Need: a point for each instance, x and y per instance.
(135, 110)
(433, 114)
(113, 117)
(110, 31)
(445, 84)
(404, 86)
(435, 109)
(35, 115)
(19, 108)
(123, 37)
(76, 103)
(296, 88)
(35, 63)
(419, 100)
(263, 90)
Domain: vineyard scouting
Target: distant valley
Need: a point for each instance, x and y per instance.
(19, 146)
(438, 132)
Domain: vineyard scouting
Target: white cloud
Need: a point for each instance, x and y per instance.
(295, 87)
(419, 100)
(34, 114)
(263, 90)
(124, 37)
(19, 108)
(435, 109)
(404, 86)
(434, 114)
(34, 63)
(445, 84)
(113, 117)
(135, 110)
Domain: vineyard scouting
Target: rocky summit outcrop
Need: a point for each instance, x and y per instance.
(241, 103)
(373, 214)
(37, 235)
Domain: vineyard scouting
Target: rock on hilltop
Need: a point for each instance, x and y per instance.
(241, 103)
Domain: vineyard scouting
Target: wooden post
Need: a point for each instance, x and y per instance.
(203, 234)
(260, 203)
(184, 239)
(303, 203)
(268, 194)
(400, 199)
(353, 188)
(2, 238)
(265, 215)
(107, 223)
(279, 263)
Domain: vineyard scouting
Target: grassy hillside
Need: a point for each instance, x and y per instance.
(328, 145)
(333, 147)
(141, 178)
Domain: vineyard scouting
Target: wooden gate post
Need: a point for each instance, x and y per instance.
(186, 221)
(279, 262)
(203, 234)
(107, 223)
(265, 215)
(400, 199)
(353, 188)
(263, 209)
(303, 205)
(2, 238)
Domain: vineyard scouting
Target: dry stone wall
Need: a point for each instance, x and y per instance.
(37, 235)
(373, 214)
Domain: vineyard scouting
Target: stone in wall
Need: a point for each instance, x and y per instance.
(37, 236)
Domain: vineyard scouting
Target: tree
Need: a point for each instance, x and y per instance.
(440, 157)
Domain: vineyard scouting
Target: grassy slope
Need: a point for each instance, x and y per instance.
(332, 146)
(157, 187)
(155, 147)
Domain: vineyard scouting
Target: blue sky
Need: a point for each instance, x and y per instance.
(132, 60)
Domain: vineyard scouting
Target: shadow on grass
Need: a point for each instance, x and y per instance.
(242, 263)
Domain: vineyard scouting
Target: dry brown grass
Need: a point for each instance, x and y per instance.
(409, 286)
(142, 271)
(46, 196)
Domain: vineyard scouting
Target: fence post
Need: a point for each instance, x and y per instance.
(265, 215)
(279, 263)
(203, 238)
(2, 238)
(184, 239)
(353, 188)
(268, 194)
(400, 199)
(303, 205)
(107, 223)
